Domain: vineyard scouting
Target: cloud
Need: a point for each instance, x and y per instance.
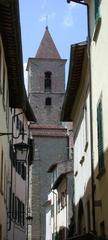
(68, 19)
(48, 17)
(44, 3)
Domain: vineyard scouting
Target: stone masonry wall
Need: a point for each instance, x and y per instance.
(47, 151)
(37, 95)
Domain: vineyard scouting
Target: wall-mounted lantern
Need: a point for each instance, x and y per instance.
(21, 150)
(29, 220)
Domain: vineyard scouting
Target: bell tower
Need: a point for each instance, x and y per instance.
(46, 85)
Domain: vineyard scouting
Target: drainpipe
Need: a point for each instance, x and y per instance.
(91, 117)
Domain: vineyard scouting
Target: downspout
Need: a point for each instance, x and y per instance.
(91, 117)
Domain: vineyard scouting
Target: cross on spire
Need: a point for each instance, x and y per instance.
(47, 22)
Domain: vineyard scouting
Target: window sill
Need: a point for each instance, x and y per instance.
(100, 174)
(97, 28)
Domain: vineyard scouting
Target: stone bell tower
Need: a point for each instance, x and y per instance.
(46, 87)
(46, 81)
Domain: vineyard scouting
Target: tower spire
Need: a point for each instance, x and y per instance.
(47, 48)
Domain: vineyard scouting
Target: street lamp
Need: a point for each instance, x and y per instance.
(21, 150)
(29, 219)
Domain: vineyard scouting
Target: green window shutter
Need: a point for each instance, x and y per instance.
(100, 137)
(97, 14)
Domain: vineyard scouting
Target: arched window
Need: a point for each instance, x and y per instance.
(48, 81)
(48, 101)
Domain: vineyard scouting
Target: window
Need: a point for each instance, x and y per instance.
(102, 229)
(18, 167)
(97, 19)
(48, 81)
(23, 173)
(97, 13)
(63, 199)
(58, 206)
(19, 211)
(0, 68)
(88, 215)
(13, 205)
(48, 101)
(17, 122)
(1, 174)
(16, 209)
(22, 214)
(5, 179)
(86, 127)
(4, 76)
(100, 137)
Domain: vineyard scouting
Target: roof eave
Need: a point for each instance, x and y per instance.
(29, 112)
(11, 36)
(74, 78)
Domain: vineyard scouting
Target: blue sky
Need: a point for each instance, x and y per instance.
(66, 23)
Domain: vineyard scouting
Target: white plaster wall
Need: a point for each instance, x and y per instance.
(83, 171)
(48, 223)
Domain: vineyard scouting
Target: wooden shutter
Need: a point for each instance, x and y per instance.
(100, 137)
(97, 10)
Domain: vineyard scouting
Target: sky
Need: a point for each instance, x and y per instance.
(66, 24)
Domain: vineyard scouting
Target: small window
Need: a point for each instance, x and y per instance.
(13, 205)
(0, 69)
(48, 81)
(23, 173)
(48, 101)
(102, 229)
(58, 205)
(23, 214)
(86, 128)
(100, 137)
(16, 209)
(97, 12)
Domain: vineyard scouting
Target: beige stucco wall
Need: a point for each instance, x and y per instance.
(19, 186)
(82, 149)
(4, 142)
(99, 65)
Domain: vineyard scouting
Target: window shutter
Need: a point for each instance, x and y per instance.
(24, 173)
(97, 9)
(13, 205)
(100, 137)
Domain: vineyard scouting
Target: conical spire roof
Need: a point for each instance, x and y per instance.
(47, 48)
